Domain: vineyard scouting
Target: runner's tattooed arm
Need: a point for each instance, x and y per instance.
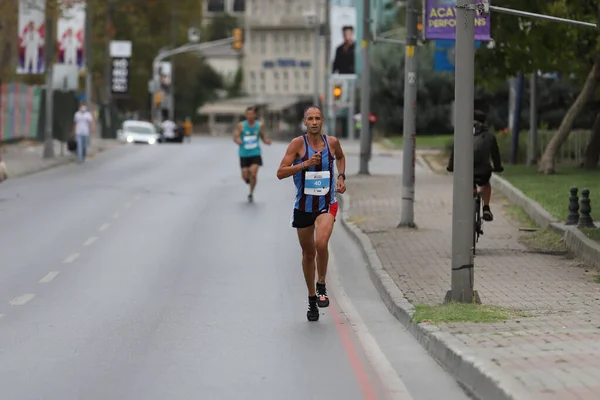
(237, 134)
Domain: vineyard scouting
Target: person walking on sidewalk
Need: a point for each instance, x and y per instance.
(310, 160)
(485, 146)
(83, 125)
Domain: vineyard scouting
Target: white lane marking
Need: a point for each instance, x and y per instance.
(104, 227)
(71, 258)
(21, 300)
(49, 277)
(90, 241)
(385, 371)
(115, 215)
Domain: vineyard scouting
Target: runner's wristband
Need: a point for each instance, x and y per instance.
(342, 175)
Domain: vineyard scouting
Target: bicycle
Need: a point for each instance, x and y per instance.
(478, 203)
(478, 231)
(477, 200)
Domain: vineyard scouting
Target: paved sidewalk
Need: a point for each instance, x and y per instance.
(555, 354)
(26, 158)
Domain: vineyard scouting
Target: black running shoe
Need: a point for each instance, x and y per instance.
(323, 300)
(250, 198)
(487, 214)
(313, 311)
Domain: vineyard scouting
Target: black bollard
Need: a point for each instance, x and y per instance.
(585, 219)
(573, 217)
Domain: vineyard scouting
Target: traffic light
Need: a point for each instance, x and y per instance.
(337, 92)
(158, 98)
(238, 40)
(420, 31)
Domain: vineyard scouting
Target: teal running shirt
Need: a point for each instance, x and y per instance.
(250, 138)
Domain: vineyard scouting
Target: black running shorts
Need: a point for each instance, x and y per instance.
(246, 162)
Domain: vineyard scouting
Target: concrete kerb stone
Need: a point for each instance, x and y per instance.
(438, 344)
(53, 164)
(536, 212)
(575, 240)
(94, 151)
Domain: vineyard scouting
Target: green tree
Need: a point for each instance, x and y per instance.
(147, 23)
(221, 27)
(528, 45)
(235, 88)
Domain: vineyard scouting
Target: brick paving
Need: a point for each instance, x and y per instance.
(554, 353)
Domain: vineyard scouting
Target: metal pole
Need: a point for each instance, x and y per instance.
(328, 66)
(463, 216)
(172, 84)
(407, 218)
(533, 131)
(107, 79)
(351, 108)
(316, 57)
(365, 136)
(48, 137)
(88, 55)
(520, 13)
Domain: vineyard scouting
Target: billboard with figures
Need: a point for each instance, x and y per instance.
(440, 21)
(343, 39)
(70, 33)
(31, 37)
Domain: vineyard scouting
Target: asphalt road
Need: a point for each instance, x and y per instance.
(146, 274)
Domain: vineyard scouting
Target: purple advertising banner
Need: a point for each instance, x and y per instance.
(440, 21)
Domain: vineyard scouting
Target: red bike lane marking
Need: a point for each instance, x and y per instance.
(357, 366)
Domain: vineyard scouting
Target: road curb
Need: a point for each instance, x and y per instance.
(440, 345)
(32, 171)
(575, 240)
(57, 162)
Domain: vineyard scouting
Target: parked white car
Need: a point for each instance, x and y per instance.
(138, 132)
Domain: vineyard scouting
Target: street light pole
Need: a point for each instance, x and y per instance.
(316, 69)
(327, 71)
(365, 92)
(88, 55)
(49, 120)
(107, 69)
(463, 215)
(410, 117)
(172, 83)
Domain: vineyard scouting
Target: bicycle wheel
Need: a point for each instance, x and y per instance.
(477, 227)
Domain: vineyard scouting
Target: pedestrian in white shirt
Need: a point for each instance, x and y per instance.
(83, 125)
(168, 129)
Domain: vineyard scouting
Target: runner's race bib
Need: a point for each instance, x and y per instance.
(250, 142)
(316, 183)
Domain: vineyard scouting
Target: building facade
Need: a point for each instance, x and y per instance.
(279, 49)
(235, 8)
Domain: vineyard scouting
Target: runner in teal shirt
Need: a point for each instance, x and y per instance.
(248, 135)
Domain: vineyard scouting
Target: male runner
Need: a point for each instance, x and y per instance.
(247, 136)
(309, 159)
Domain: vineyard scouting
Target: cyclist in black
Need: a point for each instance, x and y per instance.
(485, 147)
